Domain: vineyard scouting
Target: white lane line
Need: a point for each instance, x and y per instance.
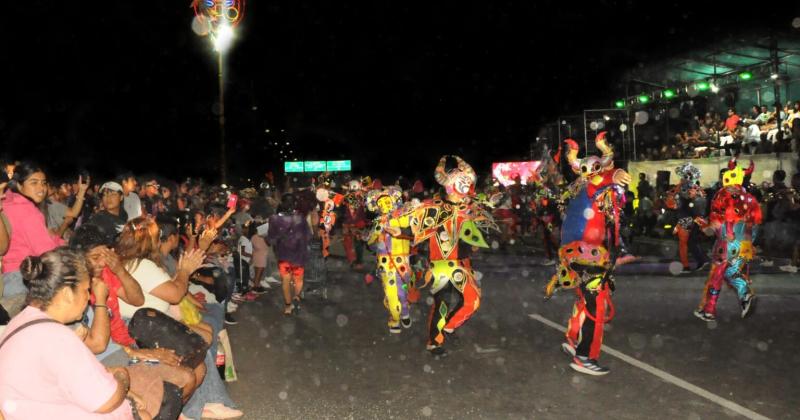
(730, 405)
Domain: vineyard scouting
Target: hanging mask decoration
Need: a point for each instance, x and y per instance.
(734, 176)
(590, 166)
(459, 181)
(216, 17)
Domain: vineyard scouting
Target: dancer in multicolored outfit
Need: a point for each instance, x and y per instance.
(451, 228)
(735, 218)
(327, 215)
(390, 238)
(688, 199)
(590, 247)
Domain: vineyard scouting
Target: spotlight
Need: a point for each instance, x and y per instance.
(606, 117)
(669, 93)
(745, 75)
(619, 104)
(703, 86)
(714, 87)
(644, 99)
(774, 76)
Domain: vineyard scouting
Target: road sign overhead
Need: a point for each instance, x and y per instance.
(292, 166)
(338, 165)
(314, 166)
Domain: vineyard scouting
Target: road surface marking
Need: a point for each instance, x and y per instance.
(730, 405)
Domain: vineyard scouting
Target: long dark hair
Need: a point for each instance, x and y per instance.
(50, 272)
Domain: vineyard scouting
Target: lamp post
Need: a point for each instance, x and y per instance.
(216, 19)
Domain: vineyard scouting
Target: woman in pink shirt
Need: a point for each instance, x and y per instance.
(25, 223)
(48, 373)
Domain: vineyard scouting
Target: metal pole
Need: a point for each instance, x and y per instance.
(633, 131)
(776, 84)
(585, 135)
(223, 170)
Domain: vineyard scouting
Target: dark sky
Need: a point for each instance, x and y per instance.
(390, 85)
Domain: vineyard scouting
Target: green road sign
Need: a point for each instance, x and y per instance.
(338, 165)
(314, 166)
(292, 167)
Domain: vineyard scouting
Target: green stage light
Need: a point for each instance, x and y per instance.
(644, 99)
(745, 75)
(669, 93)
(620, 104)
(703, 86)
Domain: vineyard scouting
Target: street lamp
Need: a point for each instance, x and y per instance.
(217, 19)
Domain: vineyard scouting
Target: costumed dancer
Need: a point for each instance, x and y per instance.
(735, 218)
(451, 228)
(353, 224)
(327, 215)
(390, 238)
(688, 199)
(590, 245)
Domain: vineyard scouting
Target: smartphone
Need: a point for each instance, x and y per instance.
(232, 200)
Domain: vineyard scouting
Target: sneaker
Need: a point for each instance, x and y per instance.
(748, 305)
(436, 350)
(368, 279)
(237, 298)
(549, 262)
(702, 266)
(405, 322)
(232, 307)
(767, 263)
(448, 330)
(260, 290)
(230, 320)
(588, 366)
(251, 296)
(705, 316)
(789, 268)
(219, 411)
(568, 349)
(685, 271)
(270, 280)
(395, 330)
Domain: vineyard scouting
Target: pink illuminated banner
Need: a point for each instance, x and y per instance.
(506, 173)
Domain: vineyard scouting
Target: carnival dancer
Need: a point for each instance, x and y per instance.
(688, 199)
(327, 215)
(544, 206)
(590, 245)
(390, 238)
(735, 218)
(451, 228)
(353, 224)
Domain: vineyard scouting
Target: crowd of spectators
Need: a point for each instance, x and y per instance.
(751, 132)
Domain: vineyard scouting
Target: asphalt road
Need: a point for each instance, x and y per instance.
(337, 360)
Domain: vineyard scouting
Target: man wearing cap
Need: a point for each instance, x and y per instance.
(113, 217)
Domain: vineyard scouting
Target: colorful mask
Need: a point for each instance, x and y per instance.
(590, 166)
(459, 181)
(688, 172)
(384, 200)
(734, 176)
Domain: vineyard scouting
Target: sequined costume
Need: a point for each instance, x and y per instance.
(688, 200)
(451, 228)
(589, 247)
(327, 216)
(390, 238)
(735, 218)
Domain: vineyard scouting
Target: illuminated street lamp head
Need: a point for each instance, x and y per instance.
(223, 38)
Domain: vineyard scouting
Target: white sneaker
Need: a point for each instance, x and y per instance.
(232, 307)
(549, 262)
(766, 263)
(270, 279)
(789, 268)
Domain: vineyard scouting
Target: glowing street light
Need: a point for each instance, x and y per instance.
(669, 93)
(644, 99)
(745, 75)
(619, 104)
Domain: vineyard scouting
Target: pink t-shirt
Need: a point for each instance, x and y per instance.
(29, 234)
(48, 373)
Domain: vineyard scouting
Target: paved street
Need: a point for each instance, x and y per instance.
(337, 359)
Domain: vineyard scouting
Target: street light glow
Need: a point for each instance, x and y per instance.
(223, 39)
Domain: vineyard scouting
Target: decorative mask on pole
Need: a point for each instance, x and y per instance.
(215, 14)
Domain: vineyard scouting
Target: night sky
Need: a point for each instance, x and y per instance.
(391, 85)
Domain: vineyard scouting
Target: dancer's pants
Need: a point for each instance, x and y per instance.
(353, 246)
(732, 273)
(449, 315)
(395, 274)
(591, 311)
(689, 241)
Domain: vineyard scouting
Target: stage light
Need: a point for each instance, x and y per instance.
(606, 117)
(703, 86)
(619, 104)
(774, 76)
(669, 93)
(714, 87)
(644, 99)
(745, 75)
